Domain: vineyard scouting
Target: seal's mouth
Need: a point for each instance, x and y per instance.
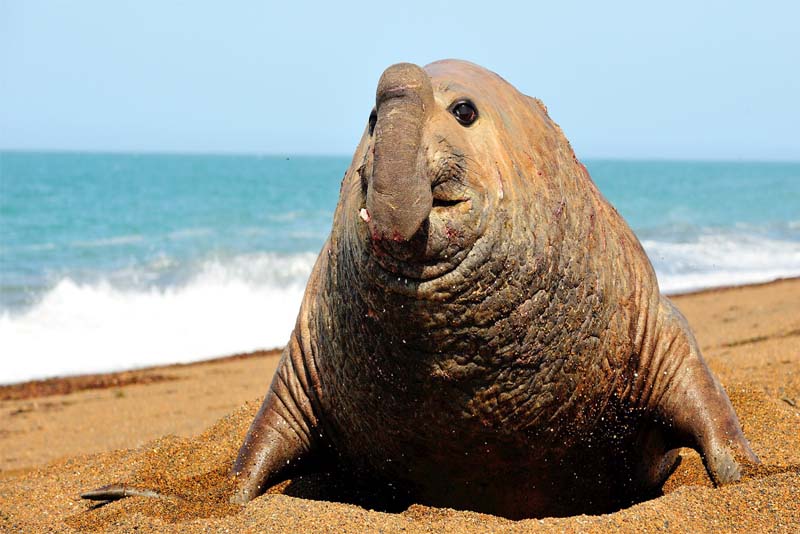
(447, 202)
(442, 242)
(396, 260)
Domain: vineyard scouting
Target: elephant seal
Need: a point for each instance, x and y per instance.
(482, 330)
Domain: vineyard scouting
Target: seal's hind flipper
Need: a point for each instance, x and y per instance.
(115, 492)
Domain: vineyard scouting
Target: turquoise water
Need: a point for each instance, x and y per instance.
(128, 260)
(141, 220)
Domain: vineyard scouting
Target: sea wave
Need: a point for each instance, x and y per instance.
(35, 247)
(223, 306)
(721, 258)
(245, 303)
(189, 233)
(110, 241)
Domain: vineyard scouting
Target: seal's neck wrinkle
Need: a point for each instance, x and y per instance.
(399, 196)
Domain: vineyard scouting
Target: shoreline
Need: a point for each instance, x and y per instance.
(41, 387)
(728, 287)
(62, 385)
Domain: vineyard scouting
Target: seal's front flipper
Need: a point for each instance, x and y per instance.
(697, 410)
(283, 438)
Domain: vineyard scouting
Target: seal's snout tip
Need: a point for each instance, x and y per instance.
(392, 234)
(399, 216)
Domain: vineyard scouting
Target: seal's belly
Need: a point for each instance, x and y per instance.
(495, 419)
(431, 445)
(469, 421)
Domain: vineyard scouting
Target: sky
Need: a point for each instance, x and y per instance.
(674, 80)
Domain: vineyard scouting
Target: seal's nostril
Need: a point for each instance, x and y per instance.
(373, 119)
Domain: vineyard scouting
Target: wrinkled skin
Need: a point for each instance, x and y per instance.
(482, 330)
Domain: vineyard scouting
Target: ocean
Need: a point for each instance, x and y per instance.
(117, 261)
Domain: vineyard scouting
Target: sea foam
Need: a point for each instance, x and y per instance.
(721, 258)
(247, 303)
(251, 301)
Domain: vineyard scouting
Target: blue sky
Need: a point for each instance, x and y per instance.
(681, 79)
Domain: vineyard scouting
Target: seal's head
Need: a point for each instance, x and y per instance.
(444, 146)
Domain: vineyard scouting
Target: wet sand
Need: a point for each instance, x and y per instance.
(177, 429)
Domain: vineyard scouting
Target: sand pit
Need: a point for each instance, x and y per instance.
(58, 441)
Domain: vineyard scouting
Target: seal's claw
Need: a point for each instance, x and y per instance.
(115, 492)
(723, 468)
(726, 464)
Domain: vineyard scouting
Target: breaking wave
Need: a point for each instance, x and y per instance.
(247, 303)
(250, 302)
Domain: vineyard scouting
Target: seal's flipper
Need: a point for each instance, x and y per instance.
(698, 412)
(283, 437)
(115, 492)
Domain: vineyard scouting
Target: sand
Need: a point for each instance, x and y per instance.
(177, 429)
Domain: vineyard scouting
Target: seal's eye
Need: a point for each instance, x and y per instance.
(373, 118)
(464, 111)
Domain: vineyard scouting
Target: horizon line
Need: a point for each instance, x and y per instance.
(288, 155)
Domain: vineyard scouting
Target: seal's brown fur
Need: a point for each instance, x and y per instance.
(511, 353)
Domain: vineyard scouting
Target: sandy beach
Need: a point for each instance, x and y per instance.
(177, 429)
